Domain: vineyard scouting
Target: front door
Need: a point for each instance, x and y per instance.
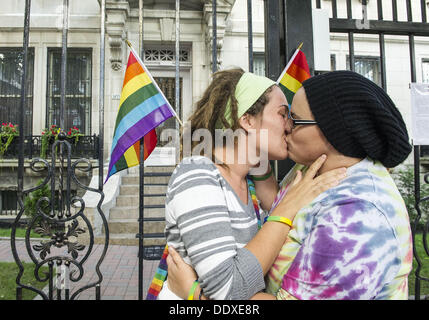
(165, 152)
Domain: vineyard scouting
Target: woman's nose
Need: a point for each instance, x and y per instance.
(288, 126)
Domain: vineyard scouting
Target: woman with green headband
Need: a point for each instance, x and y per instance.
(211, 220)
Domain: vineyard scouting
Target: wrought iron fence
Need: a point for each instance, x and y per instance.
(59, 217)
(84, 147)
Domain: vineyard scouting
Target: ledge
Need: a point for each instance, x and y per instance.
(13, 163)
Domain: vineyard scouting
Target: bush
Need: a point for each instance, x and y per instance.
(405, 181)
(31, 201)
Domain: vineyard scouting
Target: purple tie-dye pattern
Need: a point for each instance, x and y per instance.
(355, 245)
(348, 209)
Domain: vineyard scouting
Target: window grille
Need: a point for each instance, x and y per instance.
(8, 202)
(369, 67)
(10, 87)
(259, 63)
(153, 55)
(77, 109)
(168, 87)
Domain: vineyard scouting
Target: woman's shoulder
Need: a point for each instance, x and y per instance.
(196, 160)
(194, 168)
(194, 163)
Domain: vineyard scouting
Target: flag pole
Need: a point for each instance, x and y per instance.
(276, 165)
(290, 62)
(151, 78)
(140, 235)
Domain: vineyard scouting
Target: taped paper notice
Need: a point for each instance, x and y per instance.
(420, 113)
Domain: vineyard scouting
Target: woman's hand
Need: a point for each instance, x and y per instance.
(267, 243)
(305, 189)
(181, 276)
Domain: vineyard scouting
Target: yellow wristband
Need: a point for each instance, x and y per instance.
(280, 219)
(192, 291)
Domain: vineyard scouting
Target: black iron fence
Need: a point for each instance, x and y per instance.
(83, 147)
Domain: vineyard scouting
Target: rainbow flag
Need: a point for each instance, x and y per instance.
(159, 277)
(142, 108)
(294, 74)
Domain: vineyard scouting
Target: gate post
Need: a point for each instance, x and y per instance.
(287, 24)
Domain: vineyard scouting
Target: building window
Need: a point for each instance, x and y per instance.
(165, 55)
(425, 69)
(333, 62)
(259, 63)
(11, 64)
(8, 202)
(369, 67)
(77, 109)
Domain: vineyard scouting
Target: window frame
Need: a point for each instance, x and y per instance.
(259, 55)
(425, 61)
(88, 112)
(366, 57)
(28, 127)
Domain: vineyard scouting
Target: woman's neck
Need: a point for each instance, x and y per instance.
(335, 161)
(236, 169)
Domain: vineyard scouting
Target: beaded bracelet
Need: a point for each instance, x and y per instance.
(280, 219)
(192, 291)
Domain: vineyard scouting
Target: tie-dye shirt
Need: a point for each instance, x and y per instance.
(352, 242)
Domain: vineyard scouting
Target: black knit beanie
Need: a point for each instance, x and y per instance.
(357, 117)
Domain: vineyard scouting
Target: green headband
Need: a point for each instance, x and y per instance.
(249, 88)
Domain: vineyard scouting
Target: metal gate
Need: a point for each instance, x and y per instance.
(59, 216)
(410, 28)
(288, 22)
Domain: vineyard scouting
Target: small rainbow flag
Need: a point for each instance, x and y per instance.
(159, 277)
(142, 108)
(294, 74)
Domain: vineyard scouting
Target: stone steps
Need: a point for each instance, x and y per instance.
(132, 212)
(133, 200)
(133, 189)
(123, 219)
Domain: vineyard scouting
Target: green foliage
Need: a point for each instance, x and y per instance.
(405, 181)
(31, 201)
(48, 134)
(8, 274)
(8, 132)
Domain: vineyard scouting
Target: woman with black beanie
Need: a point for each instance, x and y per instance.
(354, 240)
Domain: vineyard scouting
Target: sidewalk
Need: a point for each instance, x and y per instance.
(119, 270)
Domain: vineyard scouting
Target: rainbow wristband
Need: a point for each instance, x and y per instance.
(280, 219)
(192, 291)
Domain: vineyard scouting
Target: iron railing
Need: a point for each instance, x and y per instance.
(61, 218)
(84, 147)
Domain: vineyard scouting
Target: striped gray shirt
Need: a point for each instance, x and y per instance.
(209, 226)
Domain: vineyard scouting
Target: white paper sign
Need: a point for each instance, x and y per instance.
(420, 113)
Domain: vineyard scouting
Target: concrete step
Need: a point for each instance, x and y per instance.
(129, 239)
(134, 189)
(133, 212)
(134, 201)
(132, 226)
(135, 179)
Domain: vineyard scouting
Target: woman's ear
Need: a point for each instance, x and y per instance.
(247, 122)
